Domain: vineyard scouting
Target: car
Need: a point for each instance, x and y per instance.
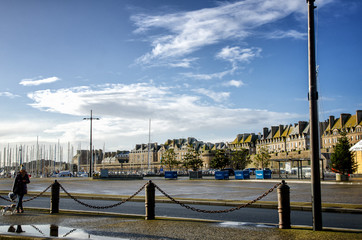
(230, 170)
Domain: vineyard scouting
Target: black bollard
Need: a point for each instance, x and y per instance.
(54, 230)
(284, 206)
(150, 201)
(54, 201)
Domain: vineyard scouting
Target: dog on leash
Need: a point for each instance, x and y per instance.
(8, 209)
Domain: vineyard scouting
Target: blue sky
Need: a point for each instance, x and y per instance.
(204, 69)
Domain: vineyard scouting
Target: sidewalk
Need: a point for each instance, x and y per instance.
(38, 224)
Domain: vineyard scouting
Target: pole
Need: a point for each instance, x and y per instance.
(90, 143)
(90, 147)
(314, 123)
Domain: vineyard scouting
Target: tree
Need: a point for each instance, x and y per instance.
(169, 158)
(262, 158)
(240, 159)
(192, 159)
(342, 160)
(221, 159)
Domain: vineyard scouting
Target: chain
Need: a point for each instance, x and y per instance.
(5, 199)
(218, 211)
(27, 200)
(102, 207)
(65, 235)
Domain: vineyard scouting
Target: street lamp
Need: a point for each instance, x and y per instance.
(90, 145)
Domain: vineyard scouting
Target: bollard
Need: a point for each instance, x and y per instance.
(284, 206)
(54, 230)
(150, 201)
(54, 201)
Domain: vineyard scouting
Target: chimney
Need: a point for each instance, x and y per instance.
(331, 122)
(274, 129)
(359, 116)
(265, 132)
(301, 126)
(281, 129)
(344, 118)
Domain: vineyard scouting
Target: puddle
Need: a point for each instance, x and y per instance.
(246, 225)
(52, 231)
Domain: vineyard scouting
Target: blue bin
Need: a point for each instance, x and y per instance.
(263, 174)
(242, 174)
(221, 175)
(171, 174)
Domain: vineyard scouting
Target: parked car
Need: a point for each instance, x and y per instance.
(64, 174)
(230, 170)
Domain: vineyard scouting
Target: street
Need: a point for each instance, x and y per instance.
(204, 189)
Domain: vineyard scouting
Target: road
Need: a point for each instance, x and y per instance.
(206, 189)
(244, 215)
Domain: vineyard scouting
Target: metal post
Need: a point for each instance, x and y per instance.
(284, 206)
(54, 230)
(314, 123)
(150, 201)
(54, 201)
(90, 143)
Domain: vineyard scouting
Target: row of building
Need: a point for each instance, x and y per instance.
(285, 143)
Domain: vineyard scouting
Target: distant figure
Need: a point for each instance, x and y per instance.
(20, 187)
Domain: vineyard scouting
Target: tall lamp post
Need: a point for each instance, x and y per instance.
(314, 123)
(90, 144)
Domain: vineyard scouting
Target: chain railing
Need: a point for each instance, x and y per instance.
(32, 198)
(217, 211)
(103, 207)
(27, 200)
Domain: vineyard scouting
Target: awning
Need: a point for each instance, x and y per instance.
(357, 147)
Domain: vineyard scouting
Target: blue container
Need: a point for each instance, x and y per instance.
(242, 174)
(263, 174)
(221, 175)
(171, 174)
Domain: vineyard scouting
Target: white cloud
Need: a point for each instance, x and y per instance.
(8, 94)
(204, 76)
(124, 111)
(216, 96)
(284, 34)
(36, 82)
(190, 31)
(234, 83)
(237, 54)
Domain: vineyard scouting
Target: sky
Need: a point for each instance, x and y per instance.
(202, 68)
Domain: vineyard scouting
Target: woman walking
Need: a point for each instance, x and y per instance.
(20, 187)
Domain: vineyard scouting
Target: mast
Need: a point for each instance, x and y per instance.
(149, 145)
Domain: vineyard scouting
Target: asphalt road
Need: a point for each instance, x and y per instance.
(250, 215)
(300, 191)
(206, 189)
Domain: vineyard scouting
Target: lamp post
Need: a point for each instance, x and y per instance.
(314, 123)
(90, 144)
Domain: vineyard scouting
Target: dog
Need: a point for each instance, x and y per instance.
(11, 209)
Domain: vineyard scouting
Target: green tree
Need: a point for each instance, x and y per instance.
(262, 158)
(192, 159)
(240, 159)
(342, 159)
(220, 160)
(169, 158)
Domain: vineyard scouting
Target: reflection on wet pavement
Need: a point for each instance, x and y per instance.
(52, 231)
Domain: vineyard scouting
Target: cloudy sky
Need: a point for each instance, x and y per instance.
(203, 68)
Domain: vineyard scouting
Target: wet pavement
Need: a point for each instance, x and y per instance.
(208, 188)
(42, 225)
(86, 225)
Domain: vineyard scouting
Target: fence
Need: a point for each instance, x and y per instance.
(150, 201)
